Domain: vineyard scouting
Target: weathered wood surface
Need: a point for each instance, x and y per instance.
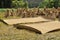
(24, 20)
(43, 27)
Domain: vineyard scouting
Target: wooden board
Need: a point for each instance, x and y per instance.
(24, 20)
(43, 27)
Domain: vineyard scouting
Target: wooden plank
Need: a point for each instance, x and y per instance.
(43, 27)
(24, 20)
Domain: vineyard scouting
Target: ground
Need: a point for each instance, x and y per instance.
(11, 33)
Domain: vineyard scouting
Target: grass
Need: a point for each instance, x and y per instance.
(11, 33)
(2, 14)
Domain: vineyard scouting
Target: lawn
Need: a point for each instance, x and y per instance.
(11, 33)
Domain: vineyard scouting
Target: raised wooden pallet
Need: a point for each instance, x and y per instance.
(24, 20)
(41, 27)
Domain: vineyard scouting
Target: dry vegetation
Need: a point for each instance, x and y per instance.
(50, 13)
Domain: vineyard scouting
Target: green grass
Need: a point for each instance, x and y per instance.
(11, 33)
(3, 10)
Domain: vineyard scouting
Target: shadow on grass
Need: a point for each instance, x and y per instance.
(3, 22)
(56, 30)
(27, 28)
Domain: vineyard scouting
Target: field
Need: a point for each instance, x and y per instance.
(9, 32)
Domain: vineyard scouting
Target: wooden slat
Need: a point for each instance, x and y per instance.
(24, 20)
(44, 27)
